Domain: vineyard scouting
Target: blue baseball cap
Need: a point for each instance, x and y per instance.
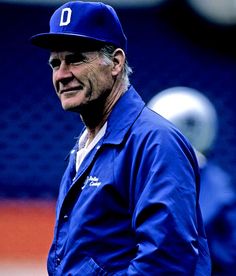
(82, 24)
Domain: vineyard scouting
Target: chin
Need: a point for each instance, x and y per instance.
(71, 103)
(70, 107)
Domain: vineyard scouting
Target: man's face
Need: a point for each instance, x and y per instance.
(80, 77)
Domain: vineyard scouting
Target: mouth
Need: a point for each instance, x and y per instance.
(71, 90)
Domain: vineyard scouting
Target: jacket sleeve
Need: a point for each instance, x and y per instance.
(165, 219)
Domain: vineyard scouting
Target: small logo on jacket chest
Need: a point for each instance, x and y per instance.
(91, 181)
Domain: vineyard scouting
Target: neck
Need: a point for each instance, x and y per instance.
(97, 112)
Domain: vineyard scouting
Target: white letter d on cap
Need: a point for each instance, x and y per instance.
(65, 16)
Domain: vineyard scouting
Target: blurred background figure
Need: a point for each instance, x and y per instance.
(196, 117)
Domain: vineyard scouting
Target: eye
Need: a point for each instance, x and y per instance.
(54, 63)
(76, 58)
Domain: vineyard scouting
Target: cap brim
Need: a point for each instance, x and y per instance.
(57, 41)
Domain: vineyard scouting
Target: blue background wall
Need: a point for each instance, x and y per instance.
(168, 46)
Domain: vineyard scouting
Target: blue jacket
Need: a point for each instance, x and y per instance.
(132, 208)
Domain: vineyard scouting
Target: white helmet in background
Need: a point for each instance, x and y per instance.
(192, 113)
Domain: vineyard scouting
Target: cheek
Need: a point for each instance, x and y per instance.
(101, 77)
(54, 83)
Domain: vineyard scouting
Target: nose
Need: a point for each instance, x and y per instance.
(63, 74)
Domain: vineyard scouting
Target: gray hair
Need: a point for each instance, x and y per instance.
(107, 52)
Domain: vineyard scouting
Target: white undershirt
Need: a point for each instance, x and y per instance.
(85, 148)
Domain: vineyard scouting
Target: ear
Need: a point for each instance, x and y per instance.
(118, 61)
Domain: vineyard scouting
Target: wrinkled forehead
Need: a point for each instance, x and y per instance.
(62, 55)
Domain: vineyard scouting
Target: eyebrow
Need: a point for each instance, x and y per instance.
(68, 56)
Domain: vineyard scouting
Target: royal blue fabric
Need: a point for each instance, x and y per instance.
(87, 21)
(132, 207)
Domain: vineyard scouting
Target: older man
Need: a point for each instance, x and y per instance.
(128, 200)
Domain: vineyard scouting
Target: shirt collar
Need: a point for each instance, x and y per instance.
(123, 115)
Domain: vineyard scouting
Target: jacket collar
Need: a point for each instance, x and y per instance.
(123, 115)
